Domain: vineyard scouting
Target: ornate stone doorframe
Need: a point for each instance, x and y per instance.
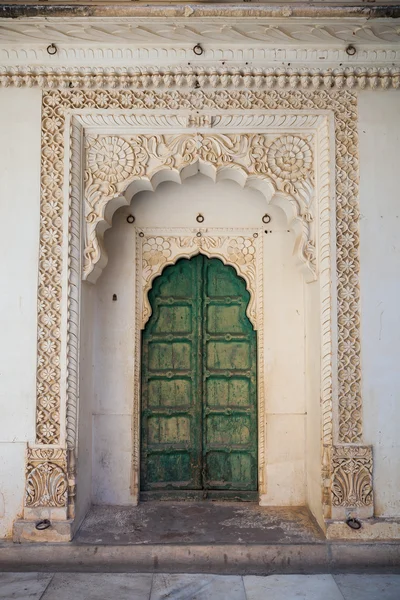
(299, 149)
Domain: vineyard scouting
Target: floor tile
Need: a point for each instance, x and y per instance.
(291, 587)
(99, 586)
(197, 587)
(23, 586)
(369, 587)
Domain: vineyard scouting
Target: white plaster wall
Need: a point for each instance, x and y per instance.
(86, 402)
(312, 385)
(19, 202)
(379, 134)
(223, 204)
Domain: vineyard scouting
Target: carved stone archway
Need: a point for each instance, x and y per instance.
(299, 149)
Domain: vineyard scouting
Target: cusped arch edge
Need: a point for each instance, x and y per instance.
(98, 221)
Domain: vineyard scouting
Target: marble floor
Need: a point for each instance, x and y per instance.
(127, 586)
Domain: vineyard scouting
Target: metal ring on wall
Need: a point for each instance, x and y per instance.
(52, 49)
(198, 49)
(44, 524)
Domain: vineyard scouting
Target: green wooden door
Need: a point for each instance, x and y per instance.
(199, 388)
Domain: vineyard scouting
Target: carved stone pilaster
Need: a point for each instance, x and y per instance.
(352, 482)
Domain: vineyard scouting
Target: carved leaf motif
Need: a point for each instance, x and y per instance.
(352, 477)
(46, 481)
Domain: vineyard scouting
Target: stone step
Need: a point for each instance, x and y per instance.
(242, 559)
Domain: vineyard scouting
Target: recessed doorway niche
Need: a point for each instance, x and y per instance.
(291, 334)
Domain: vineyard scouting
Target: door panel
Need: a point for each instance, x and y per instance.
(230, 386)
(171, 417)
(199, 410)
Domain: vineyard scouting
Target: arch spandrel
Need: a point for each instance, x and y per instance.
(117, 168)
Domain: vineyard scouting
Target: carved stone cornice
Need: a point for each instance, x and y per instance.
(205, 78)
(227, 27)
(181, 10)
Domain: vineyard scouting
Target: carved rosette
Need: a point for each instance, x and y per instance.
(160, 250)
(110, 159)
(288, 159)
(352, 481)
(46, 478)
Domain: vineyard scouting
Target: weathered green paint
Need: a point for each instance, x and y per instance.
(199, 388)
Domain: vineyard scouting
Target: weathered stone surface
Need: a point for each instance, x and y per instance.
(201, 587)
(23, 586)
(101, 586)
(198, 523)
(59, 531)
(285, 587)
(368, 587)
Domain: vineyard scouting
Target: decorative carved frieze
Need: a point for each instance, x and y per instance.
(280, 78)
(46, 478)
(352, 481)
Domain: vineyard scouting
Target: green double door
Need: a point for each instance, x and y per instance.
(199, 385)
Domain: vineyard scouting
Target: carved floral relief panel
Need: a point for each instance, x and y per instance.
(352, 481)
(46, 478)
(113, 162)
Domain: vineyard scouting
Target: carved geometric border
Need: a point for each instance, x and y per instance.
(272, 78)
(57, 105)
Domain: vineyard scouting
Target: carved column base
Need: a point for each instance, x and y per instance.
(371, 529)
(59, 531)
(46, 497)
(351, 490)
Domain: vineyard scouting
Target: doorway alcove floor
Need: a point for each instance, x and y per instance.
(201, 537)
(198, 523)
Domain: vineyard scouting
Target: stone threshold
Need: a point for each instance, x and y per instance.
(249, 559)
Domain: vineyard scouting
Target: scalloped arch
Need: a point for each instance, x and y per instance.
(188, 255)
(95, 254)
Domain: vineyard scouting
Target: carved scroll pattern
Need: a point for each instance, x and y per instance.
(352, 477)
(46, 478)
(113, 162)
(56, 102)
